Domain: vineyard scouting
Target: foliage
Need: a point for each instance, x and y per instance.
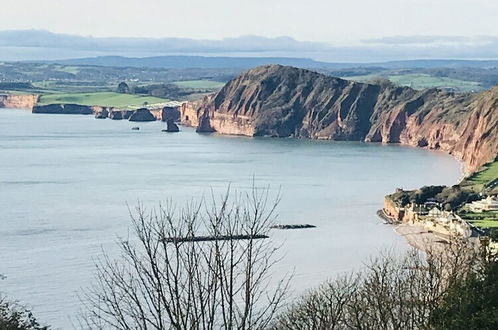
(15, 85)
(168, 279)
(390, 293)
(453, 197)
(381, 81)
(471, 303)
(450, 197)
(123, 88)
(419, 196)
(15, 317)
(176, 91)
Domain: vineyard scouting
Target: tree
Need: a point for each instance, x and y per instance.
(389, 293)
(381, 81)
(16, 317)
(187, 269)
(123, 88)
(470, 304)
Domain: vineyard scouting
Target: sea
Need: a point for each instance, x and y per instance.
(69, 182)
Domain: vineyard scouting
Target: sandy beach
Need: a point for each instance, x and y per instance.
(420, 237)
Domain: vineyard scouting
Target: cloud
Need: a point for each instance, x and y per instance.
(41, 44)
(46, 39)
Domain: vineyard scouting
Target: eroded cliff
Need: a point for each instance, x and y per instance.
(163, 113)
(19, 101)
(283, 101)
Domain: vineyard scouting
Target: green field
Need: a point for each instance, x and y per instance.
(55, 87)
(200, 84)
(482, 219)
(68, 69)
(421, 81)
(107, 99)
(479, 180)
(485, 224)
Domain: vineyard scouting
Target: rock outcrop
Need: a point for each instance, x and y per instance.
(71, 109)
(142, 114)
(18, 101)
(101, 113)
(170, 113)
(171, 126)
(283, 101)
(189, 112)
(117, 114)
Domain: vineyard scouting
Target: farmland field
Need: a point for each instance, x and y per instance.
(479, 180)
(108, 99)
(485, 224)
(200, 84)
(421, 81)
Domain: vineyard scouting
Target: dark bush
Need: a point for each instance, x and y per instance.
(123, 88)
(16, 317)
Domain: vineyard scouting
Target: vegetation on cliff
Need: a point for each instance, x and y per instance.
(471, 303)
(449, 197)
(408, 292)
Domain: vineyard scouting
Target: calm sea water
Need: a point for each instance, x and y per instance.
(65, 182)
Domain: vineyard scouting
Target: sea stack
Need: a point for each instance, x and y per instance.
(142, 114)
(171, 127)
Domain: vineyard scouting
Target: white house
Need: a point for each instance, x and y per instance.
(486, 204)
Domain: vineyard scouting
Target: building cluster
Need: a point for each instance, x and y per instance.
(431, 216)
(487, 204)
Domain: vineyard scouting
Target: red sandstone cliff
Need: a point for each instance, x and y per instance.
(284, 101)
(21, 101)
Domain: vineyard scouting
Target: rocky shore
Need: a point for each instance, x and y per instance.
(141, 114)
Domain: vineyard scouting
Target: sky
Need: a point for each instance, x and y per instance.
(345, 22)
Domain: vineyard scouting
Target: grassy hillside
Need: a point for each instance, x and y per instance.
(200, 84)
(108, 99)
(483, 179)
(421, 81)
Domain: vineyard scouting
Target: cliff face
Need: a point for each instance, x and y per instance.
(21, 101)
(110, 112)
(72, 109)
(284, 101)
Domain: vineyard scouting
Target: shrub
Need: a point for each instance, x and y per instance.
(16, 317)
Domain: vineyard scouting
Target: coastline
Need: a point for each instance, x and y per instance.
(419, 236)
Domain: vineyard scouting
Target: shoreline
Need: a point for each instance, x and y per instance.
(416, 236)
(421, 238)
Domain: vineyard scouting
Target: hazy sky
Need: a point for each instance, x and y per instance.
(334, 21)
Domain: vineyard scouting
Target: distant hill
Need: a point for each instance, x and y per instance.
(35, 45)
(218, 62)
(205, 62)
(483, 64)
